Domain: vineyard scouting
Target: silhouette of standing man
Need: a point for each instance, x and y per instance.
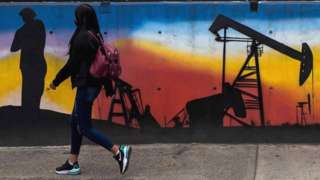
(30, 39)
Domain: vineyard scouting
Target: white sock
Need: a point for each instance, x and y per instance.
(70, 162)
(117, 152)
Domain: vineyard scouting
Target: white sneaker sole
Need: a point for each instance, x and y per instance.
(69, 172)
(126, 159)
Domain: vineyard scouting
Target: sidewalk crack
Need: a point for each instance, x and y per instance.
(256, 163)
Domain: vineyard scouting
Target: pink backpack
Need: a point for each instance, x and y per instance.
(106, 63)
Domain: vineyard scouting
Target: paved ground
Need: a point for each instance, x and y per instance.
(170, 161)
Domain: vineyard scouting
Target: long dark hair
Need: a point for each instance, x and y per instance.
(86, 18)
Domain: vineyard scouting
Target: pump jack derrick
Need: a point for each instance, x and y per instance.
(248, 78)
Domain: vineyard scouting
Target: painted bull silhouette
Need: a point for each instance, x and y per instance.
(209, 111)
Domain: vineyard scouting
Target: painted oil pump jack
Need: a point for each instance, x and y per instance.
(301, 117)
(128, 100)
(248, 78)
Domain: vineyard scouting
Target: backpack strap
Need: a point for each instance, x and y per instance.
(100, 41)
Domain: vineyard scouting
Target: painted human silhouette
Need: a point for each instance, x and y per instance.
(30, 39)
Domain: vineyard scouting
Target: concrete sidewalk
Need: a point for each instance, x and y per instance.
(170, 162)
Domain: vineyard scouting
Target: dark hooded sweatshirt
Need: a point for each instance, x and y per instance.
(82, 53)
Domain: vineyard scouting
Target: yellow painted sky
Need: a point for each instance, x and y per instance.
(11, 76)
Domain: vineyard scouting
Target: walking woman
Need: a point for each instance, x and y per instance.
(82, 50)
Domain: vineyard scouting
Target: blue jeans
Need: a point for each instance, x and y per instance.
(81, 120)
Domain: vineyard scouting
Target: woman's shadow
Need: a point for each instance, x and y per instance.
(30, 39)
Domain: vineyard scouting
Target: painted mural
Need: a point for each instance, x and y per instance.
(187, 65)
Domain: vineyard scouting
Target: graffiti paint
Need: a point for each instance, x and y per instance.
(168, 52)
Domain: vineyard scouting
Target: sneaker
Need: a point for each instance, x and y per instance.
(123, 158)
(68, 169)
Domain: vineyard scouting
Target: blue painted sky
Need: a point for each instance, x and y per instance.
(184, 26)
(133, 15)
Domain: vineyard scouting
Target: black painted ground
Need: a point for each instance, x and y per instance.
(52, 128)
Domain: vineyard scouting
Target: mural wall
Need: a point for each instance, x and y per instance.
(169, 56)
